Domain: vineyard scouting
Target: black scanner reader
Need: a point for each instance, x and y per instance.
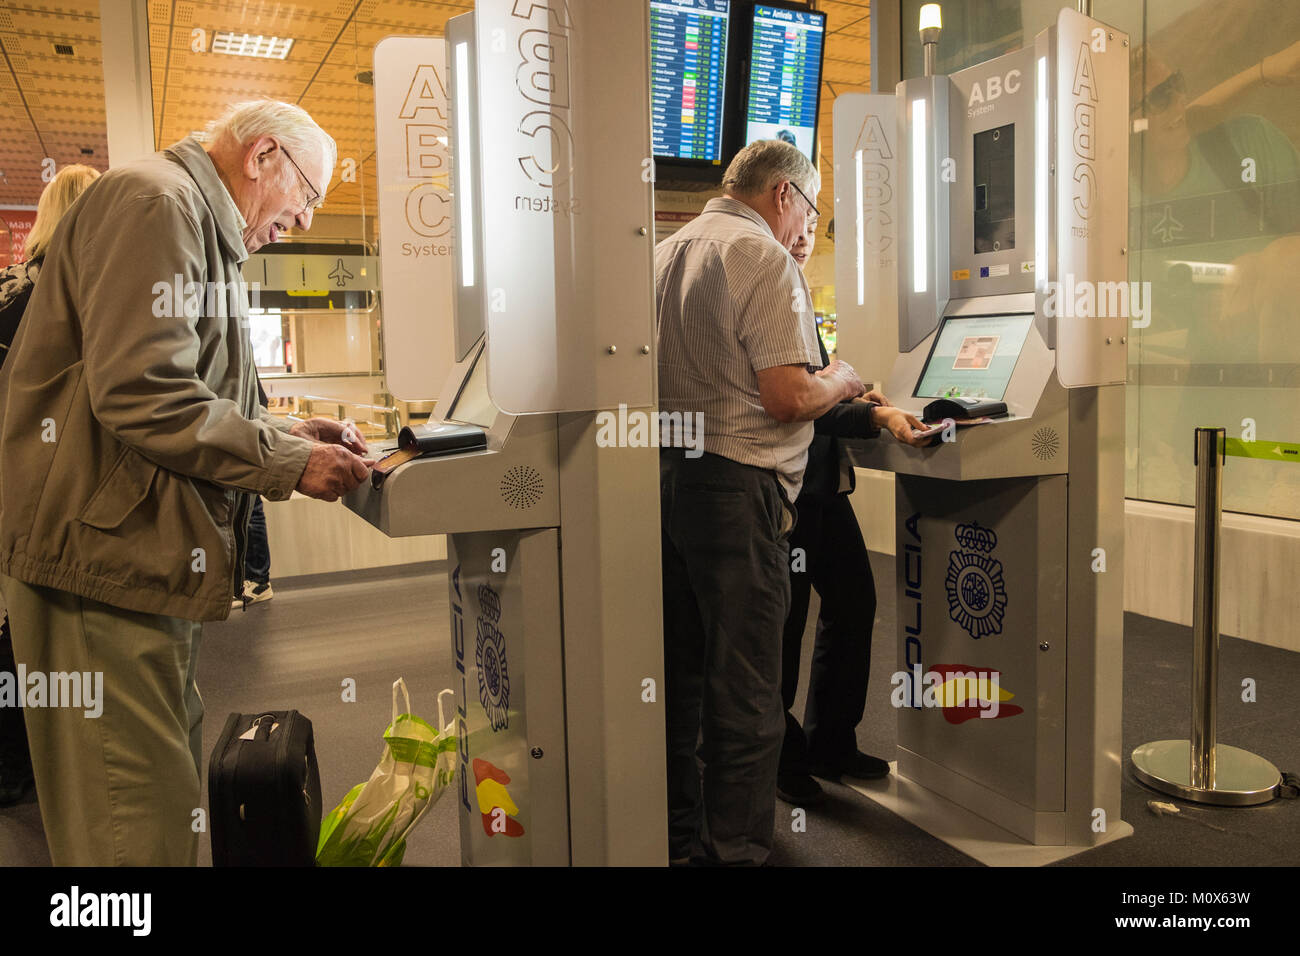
(958, 408)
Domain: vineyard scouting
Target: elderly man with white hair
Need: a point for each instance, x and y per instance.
(131, 446)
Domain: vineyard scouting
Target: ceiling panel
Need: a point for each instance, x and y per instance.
(847, 70)
(53, 105)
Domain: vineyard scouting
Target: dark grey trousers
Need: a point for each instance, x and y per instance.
(726, 586)
(839, 568)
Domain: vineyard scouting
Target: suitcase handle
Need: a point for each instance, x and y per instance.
(264, 724)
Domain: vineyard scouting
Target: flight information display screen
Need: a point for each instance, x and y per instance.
(785, 74)
(974, 357)
(688, 68)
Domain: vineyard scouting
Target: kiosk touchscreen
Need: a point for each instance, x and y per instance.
(974, 357)
(1005, 180)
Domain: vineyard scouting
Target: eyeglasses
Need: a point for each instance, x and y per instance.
(314, 201)
(811, 205)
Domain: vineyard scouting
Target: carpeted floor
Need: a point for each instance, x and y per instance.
(372, 627)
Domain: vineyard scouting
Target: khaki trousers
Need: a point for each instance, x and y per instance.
(119, 789)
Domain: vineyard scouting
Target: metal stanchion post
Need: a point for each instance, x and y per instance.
(1201, 769)
(1205, 604)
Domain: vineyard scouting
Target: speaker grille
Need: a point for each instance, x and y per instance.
(1045, 444)
(522, 487)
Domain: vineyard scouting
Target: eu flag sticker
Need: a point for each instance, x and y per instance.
(984, 272)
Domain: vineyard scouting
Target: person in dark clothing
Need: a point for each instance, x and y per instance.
(737, 354)
(828, 553)
(16, 284)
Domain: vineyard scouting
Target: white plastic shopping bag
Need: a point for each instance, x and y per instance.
(370, 826)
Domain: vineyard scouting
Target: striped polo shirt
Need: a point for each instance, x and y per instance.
(731, 302)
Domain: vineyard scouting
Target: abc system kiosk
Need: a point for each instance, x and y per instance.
(988, 211)
(553, 541)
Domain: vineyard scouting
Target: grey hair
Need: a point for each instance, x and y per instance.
(764, 163)
(292, 125)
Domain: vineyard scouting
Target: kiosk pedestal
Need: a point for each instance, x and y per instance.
(1010, 621)
(553, 541)
(511, 771)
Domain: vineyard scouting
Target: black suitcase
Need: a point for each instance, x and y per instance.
(264, 791)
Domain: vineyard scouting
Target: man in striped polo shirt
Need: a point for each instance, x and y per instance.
(738, 343)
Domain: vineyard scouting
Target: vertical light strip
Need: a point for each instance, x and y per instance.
(920, 186)
(464, 163)
(1040, 178)
(862, 261)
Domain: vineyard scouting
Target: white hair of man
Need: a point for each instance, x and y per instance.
(291, 125)
(764, 163)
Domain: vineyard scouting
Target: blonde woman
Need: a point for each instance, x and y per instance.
(16, 283)
(18, 280)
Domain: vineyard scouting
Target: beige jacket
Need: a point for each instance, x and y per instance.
(130, 414)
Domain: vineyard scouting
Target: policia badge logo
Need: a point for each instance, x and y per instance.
(490, 660)
(977, 597)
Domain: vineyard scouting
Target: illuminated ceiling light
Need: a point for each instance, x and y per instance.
(246, 44)
(931, 25)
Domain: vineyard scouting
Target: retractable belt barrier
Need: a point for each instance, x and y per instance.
(1200, 769)
(1263, 450)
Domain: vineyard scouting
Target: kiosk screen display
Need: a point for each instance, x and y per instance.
(785, 75)
(472, 405)
(688, 53)
(974, 357)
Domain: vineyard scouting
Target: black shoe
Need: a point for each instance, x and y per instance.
(801, 790)
(860, 766)
(16, 781)
(865, 767)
